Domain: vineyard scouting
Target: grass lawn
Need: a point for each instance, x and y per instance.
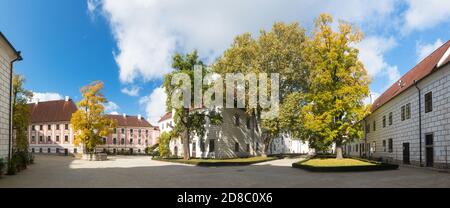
(330, 162)
(221, 162)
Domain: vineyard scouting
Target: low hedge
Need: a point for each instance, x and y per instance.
(377, 167)
(216, 162)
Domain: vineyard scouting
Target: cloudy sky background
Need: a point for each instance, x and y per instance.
(129, 44)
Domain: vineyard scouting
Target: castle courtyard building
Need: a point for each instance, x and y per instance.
(8, 55)
(410, 122)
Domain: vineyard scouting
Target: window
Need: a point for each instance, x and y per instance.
(428, 102)
(384, 121)
(123, 131)
(122, 142)
(57, 138)
(248, 123)
(49, 127)
(40, 139)
(429, 140)
(104, 141)
(66, 138)
(32, 150)
(236, 120)
(211, 145)
(390, 145)
(202, 146)
(374, 125)
(146, 132)
(390, 118)
(403, 113)
(139, 141)
(57, 150)
(139, 132)
(40, 127)
(384, 145)
(131, 132)
(49, 150)
(40, 150)
(408, 111)
(57, 126)
(75, 150)
(114, 141)
(373, 147)
(33, 128)
(33, 139)
(131, 141)
(236, 147)
(66, 126)
(49, 138)
(115, 131)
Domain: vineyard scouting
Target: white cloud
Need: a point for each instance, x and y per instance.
(134, 91)
(372, 50)
(372, 97)
(149, 32)
(155, 104)
(114, 113)
(422, 15)
(423, 49)
(46, 96)
(111, 107)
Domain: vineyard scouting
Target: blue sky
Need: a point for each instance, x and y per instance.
(128, 44)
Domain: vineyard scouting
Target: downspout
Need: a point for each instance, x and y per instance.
(420, 122)
(18, 58)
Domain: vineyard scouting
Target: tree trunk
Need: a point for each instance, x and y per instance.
(186, 152)
(185, 138)
(339, 151)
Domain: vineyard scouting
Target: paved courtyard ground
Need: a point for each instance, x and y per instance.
(129, 171)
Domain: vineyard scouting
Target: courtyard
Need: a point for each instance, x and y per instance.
(142, 172)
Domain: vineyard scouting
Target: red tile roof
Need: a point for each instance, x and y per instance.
(52, 111)
(165, 117)
(426, 67)
(131, 121)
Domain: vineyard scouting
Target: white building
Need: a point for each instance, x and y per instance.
(284, 144)
(410, 121)
(8, 55)
(236, 136)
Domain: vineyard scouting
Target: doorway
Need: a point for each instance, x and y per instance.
(406, 159)
(429, 150)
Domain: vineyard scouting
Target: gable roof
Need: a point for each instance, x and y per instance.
(131, 121)
(426, 67)
(18, 56)
(166, 117)
(52, 111)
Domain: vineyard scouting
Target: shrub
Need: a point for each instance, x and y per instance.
(164, 140)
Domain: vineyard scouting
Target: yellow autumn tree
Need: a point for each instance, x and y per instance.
(338, 85)
(90, 122)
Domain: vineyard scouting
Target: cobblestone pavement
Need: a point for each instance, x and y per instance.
(136, 171)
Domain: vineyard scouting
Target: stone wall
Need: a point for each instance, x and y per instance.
(5, 76)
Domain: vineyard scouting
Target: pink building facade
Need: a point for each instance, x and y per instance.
(50, 131)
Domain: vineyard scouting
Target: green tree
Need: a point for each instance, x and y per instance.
(21, 113)
(279, 50)
(338, 84)
(90, 122)
(189, 121)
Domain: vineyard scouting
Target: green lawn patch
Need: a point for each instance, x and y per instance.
(343, 165)
(220, 162)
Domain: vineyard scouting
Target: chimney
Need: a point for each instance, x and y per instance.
(124, 115)
(67, 99)
(139, 116)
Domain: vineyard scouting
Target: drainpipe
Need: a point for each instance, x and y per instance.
(18, 58)
(420, 122)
